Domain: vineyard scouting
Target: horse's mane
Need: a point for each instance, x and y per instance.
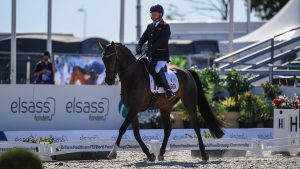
(128, 51)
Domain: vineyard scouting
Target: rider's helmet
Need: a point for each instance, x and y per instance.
(157, 8)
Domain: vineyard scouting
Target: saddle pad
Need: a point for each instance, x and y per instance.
(172, 80)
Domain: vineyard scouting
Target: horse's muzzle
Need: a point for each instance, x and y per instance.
(109, 81)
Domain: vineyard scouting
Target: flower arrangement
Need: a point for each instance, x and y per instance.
(284, 102)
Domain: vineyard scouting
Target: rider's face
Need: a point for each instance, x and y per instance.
(155, 16)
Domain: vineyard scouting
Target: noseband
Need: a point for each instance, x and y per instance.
(113, 72)
(117, 61)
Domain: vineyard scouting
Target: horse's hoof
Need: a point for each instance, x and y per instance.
(112, 156)
(160, 158)
(205, 157)
(152, 157)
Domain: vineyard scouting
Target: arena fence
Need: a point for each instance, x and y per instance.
(255, 146)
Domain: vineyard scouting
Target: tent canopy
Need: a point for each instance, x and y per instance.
(287, 18)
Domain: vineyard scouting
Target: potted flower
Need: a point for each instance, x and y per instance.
(232, 111)
(252, 107)
(283, 102)
(271, 91)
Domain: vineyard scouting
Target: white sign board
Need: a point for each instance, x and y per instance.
(53, 107)
(286, 125)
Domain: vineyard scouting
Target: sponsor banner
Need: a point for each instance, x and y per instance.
(210, 144)
(147, 135)
(96, 145)
(52, 107)
(5, 146)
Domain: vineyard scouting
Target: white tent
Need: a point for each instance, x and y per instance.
(287, 18)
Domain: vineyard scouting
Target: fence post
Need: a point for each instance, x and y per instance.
(257, 147)
(189, 61)
(155, 147)
(44, 151)
(272, 64)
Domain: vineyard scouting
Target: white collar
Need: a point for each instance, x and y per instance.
(156, 23)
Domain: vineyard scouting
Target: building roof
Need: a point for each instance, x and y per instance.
(67, 38)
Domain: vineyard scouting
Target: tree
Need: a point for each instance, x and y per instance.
(266, 9)
(206, 7)
(173, 13)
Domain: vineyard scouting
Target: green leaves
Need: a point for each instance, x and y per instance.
(236, 83)
(253, 108)
(20, 158)
(179, 61)
(271, 91)
(209, 77)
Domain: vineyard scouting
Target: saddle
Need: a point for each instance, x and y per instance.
(155, 83)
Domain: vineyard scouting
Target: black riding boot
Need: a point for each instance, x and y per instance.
(163, 79)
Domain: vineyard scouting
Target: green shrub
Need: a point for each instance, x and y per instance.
(20, 159)
(271, 91)
(253, 107)
(179, 61)
(230, 104)
(209, 76)
(236, 83)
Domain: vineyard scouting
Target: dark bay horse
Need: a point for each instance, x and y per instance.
(136, 96)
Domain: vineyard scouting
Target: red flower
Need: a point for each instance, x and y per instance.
(278, 102)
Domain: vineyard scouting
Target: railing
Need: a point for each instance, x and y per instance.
(265, 47)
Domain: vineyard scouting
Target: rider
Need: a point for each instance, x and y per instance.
(157, 34)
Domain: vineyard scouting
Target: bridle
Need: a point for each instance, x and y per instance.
(117, 70)
(113, 72)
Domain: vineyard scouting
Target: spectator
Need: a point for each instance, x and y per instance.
(44, 70)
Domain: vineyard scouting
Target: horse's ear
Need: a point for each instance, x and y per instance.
(102, 46)
(113, 44)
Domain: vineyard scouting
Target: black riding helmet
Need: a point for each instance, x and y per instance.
(157, 8)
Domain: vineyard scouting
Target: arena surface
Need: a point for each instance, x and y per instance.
(181, 159)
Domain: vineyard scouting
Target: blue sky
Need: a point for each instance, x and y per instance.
(102, 16)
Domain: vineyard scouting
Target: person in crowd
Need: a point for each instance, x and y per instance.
(44, 70)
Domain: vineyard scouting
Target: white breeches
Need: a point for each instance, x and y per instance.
(159, 65)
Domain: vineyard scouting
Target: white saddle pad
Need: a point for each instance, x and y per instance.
(172, 80)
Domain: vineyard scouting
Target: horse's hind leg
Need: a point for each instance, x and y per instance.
(190, 105)
(167, 131)
(136, 132)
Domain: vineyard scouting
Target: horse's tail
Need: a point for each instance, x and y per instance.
(214, 125)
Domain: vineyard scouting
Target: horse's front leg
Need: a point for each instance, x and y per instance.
(122, 130)
(136, 132)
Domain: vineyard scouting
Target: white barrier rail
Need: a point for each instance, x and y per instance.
(291, 145)
(46, 151)
(255, 146)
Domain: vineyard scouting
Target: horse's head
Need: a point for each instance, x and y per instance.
(110, 61)
(117, 59)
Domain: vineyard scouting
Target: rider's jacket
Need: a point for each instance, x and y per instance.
(158, 38)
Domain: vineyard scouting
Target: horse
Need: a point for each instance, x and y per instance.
(137, 97)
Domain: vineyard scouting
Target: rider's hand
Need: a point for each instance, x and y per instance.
(138, 50)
